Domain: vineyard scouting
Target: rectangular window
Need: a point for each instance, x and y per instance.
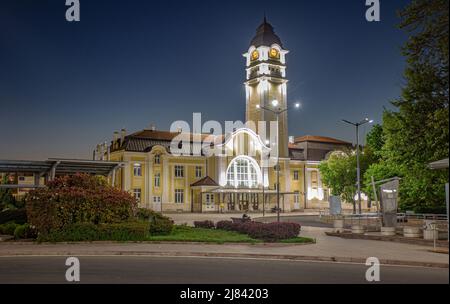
(157, 199)
(179, 171)
(157, 180)
(296, 176)
(179, 196)
(137, 170)
(157, 159)
(314, 180)
(137, 194)
(198, 172)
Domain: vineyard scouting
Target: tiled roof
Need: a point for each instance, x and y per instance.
(145, 140)
(321, 139)
(205, 182)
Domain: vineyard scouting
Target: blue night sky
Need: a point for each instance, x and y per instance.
(64, 87)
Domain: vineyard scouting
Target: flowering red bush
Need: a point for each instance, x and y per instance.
(78, 199)
(204, 224)
(225, 225)
(268, 232)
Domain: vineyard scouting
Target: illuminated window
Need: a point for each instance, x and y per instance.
(314, 180)
(137, 170)
(242, 173)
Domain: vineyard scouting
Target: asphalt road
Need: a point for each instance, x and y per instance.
(180, 270)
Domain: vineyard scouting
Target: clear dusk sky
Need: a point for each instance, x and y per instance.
(64, 87)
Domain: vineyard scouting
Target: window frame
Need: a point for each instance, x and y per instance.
(137, 170)
(179, 171)
(179, 196)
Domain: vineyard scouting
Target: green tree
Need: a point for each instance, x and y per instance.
(339, 173)
(417, 132)
(375, 140)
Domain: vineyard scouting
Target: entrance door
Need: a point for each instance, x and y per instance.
(209, 203)
(244, 201)
(156, 205)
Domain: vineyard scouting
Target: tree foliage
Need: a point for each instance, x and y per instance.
(417, 132)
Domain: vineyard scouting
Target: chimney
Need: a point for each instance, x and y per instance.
(123, 133)
(179, 130)
(115, 144)
(152, 127)
(291, 139)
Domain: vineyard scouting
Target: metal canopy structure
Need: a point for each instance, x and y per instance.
(54, 167)
(441, 164)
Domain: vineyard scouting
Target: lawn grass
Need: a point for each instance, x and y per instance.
(299, 240)
(190, 234)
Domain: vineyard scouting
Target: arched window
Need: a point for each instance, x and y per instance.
(243, 172)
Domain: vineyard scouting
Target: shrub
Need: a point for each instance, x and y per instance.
(8, 228)
(25, 231)
(158, 223)
(75, 199)
(274, 231)
(225, 225)
(268, 232)
(18, 216)
(204, 224)
(86, 232)
(161, 227)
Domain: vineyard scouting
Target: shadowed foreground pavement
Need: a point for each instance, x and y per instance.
(180, 270)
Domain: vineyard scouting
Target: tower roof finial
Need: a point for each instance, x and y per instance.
(265, 17)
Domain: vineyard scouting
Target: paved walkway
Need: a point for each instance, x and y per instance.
(326, 249)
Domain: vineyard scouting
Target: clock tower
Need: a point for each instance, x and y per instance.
(266, 82)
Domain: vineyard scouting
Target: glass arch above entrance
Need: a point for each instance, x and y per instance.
(244, 172)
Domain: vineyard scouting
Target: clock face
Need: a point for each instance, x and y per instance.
(255, 55)
(274, 53)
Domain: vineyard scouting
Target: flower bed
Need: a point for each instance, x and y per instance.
(270, 232)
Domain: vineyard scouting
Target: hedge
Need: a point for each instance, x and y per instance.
(270, 232)
(204, 224)
(158, 223)
(18, 216)
(87, 232)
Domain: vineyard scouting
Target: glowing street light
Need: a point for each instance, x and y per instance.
(358, 168)
(277, 111)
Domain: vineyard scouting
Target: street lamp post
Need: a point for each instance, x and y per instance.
(278, 111)
(358, 168)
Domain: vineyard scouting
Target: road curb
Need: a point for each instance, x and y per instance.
(331, 259)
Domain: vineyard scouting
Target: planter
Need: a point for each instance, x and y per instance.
(430, 235)
(412, 232)
(358, 230)
(388, 231)
(338, 226)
